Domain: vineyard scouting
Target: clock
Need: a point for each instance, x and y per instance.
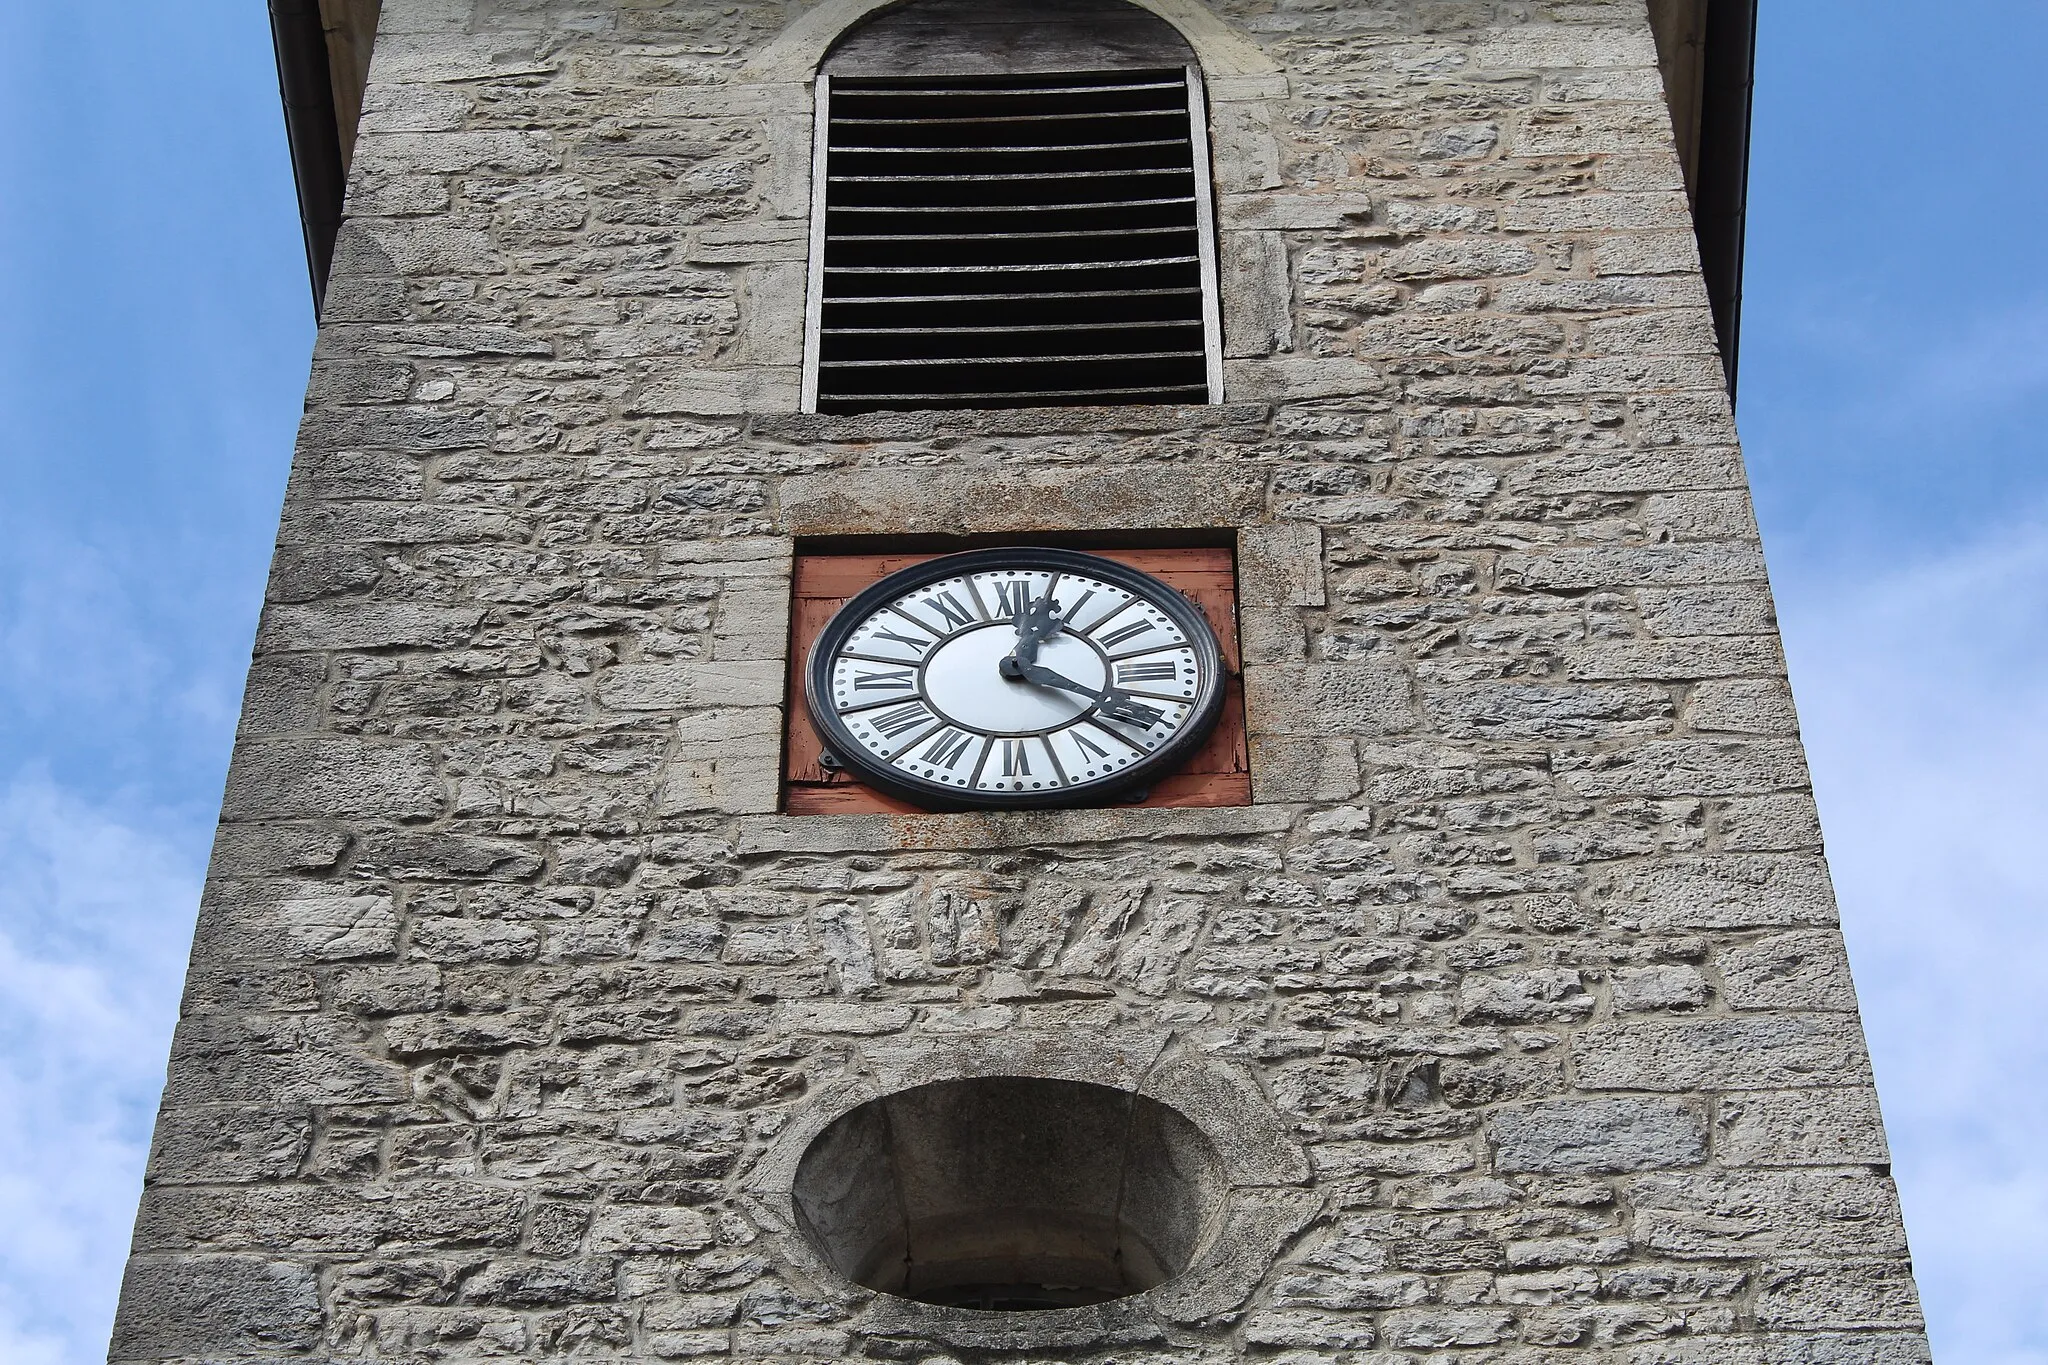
(1014, 678)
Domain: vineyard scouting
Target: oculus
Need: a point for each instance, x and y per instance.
(1014, 678)
(1010, 1193)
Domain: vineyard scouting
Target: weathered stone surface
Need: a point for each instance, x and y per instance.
(1800, 1128)
(1328, 699)
(1806, 971)
(215, 1306)
(1721, 1054)
(1514, 1001)
(1721, 1214)
(332, 778)
(1599, 1136)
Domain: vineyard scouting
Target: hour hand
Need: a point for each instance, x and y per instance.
(1108, 701)
(1036, 623)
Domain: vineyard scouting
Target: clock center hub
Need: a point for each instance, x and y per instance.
(963, 681)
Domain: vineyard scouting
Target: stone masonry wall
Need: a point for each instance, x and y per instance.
(508, 980)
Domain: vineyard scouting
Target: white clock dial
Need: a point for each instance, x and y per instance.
(1015, 677)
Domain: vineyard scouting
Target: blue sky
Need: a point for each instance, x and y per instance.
(154, 329)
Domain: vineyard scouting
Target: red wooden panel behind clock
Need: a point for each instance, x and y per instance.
(1218, 775)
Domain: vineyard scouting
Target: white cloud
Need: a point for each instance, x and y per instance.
(69, 627)
(96, 913)
(1924, 697)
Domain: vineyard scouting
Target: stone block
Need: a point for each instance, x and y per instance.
(692, 683)
(721, 393)
(387, 989)
(740, 775)
(307, 573)
(1625, 567)
(1270, 635)
(445, 939)
(1720, 1054)
(1303, 1329)
(229, 1144)
(648, 1228)
(303, 922)
(1542, 995)
(282, 697)
(1288, 768)
(332, 778)
(1677, 332)
(1546, 47)
(1538, 711)
(1271, 212)
(1755, 706)
(1686, 767)
(1425, 1329)
(1788, 821)
(449, 857)
(1717, 892)
(1640, 990)
(1328, 699)
(452, 153)
(752, 623)
(1770, 1213)
(215, 1306)
(1838, 1294)
(1458, 259)
(914, 500)
(1802, 971)
(1257, 294)
(1598, 1136)
(1858, 1348)
(1280, 564)
(1706, 656)
(1834, 1127)
(1289, 379)
(1647, 253)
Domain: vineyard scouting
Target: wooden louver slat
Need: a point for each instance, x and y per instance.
(1011, 241)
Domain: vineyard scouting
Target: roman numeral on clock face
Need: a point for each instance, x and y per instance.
(1016, 758)
(894, 722)
(946, 748)
(915, 646)
(1129, 632)
(950, 611)
(1158, 671)
(1013, 597)
(894, 680)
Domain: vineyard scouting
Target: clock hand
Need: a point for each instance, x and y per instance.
(1036, 623)
(1109, 701)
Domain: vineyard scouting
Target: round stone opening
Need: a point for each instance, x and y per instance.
(1010, 1193)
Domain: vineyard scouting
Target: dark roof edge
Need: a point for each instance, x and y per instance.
(1721, 184)
(312, 130)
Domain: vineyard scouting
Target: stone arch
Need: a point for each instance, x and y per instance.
(1270, 1199)
(796, 53)
(1247, 91)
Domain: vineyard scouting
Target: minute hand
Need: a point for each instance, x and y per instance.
(1112, 703)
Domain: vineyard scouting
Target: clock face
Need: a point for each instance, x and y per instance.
(1015, 678)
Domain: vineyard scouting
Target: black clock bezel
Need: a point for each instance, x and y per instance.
(839, 741)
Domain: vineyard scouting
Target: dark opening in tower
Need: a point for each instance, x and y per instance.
(1011, 209)
(1010, 1193)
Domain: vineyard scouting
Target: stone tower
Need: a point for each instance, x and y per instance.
(1484, 1001)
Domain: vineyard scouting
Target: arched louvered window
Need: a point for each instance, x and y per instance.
(1011, 207)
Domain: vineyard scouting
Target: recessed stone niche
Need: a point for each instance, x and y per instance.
(1010, 1193)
